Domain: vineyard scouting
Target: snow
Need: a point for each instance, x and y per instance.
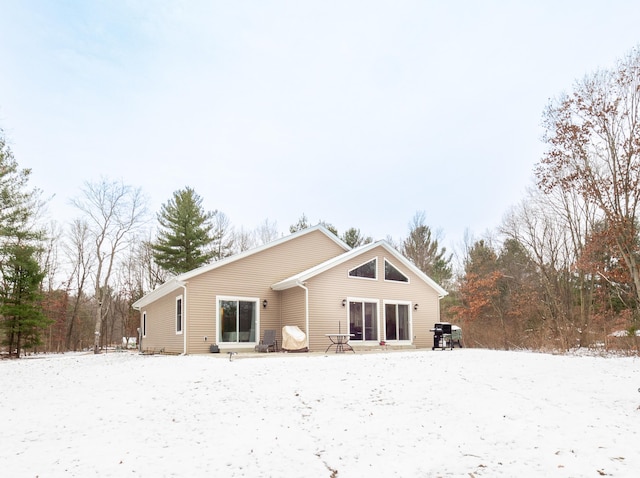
(466, 412)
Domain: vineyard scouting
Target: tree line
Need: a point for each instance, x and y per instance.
(72, 287)
(562, 269)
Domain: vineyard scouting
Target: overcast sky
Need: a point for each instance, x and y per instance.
(358, 113)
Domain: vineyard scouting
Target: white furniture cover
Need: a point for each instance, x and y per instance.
(293, 338)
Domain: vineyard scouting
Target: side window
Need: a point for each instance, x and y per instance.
(144, 324)
(179, 315)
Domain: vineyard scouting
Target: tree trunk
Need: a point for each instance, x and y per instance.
(96, 340)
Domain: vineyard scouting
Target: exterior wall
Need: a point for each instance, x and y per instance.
(293, 309)
(329, 289)
(252, 276)
(161, 333)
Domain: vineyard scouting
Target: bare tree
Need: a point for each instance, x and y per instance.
(222, 244)
(267, 232)
(80, 256)
(594, 149)
(113, 211)
(49, 255)
(152, 274)
(131, 285)
(243, 240)
(541, 232)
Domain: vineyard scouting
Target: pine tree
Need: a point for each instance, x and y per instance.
(17, 203)
(23, 319)
(185, 238)
(354, 238)
(425, 252)
(303, 223)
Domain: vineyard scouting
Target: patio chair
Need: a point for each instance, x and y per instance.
(268, 342)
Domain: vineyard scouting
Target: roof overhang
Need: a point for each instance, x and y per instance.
(181, 280)
(164, 289)
(299, 279)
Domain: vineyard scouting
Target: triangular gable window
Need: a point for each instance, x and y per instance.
(366, 270)
(393, 274)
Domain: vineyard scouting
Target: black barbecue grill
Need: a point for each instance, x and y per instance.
(446, 335)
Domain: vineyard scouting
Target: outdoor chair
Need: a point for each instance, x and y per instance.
(268, 342)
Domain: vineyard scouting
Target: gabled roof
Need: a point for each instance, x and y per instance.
(300, 278)
(180, 280)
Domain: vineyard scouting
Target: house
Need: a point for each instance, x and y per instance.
(310, 279)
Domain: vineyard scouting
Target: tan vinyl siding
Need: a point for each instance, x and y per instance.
(161, 326)
(294, 308)
(251, 276)
(327, 290)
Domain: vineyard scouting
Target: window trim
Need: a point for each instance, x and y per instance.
(144, 324)
(410, 318)
(237, 345)
(363, 300)
(375, 270)
(180, 316)
(387, 261)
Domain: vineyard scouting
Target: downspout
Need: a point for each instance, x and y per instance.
(184, 316)
(139, 328)
(306, 310)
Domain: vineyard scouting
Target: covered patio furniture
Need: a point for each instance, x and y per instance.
(294, 339)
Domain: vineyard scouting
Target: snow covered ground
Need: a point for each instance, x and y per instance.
(468, 412)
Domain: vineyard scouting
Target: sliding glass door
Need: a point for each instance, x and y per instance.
(363, 320)
(237, 320)
(396, 319)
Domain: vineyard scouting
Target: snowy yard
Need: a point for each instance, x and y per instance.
(471, 413)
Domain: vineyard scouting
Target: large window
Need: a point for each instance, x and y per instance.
(365, 271)
(363, 320)
(179, 315)
(392, 273)
(237, 320)
(396, 322)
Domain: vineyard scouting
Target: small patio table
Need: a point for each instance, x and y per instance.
(340, 341)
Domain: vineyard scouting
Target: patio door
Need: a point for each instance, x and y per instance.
(237, 320)
(363, 320)
(396, 318)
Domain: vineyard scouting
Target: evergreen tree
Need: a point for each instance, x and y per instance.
(185, 238)
(329, 227)
(354, 238)
(424, 251)
(17, 203)
(303, 223)
(22, 318)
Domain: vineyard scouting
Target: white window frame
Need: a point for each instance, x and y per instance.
(181, 300)
(375, 270)
(408, 281)
(237, 345)
(144, 324)
(364, 300)
(384, 320)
